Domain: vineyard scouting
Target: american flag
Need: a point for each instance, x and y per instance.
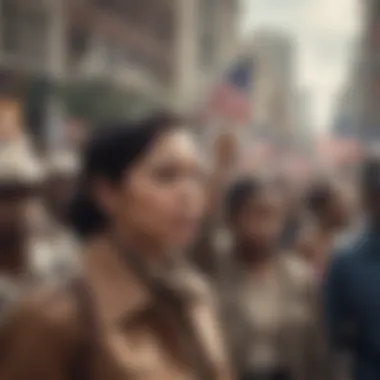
(339, 151)
(230, 99)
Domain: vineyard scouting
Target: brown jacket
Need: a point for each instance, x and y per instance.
(131, 333)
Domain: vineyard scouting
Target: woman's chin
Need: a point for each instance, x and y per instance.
(181, 241)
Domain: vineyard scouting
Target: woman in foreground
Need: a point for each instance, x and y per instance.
(137, 312)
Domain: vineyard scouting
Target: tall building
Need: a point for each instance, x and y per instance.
(273, 86)
(30, 37)
(204, 47)
(164, 51)
(131, 43)
(369, 84)
(347, 123)
(303, 132)
(27, 35)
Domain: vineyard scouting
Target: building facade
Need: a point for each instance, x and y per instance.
(273, 87)
(204, 47)
(131, 43)
(368, 86)
(164, 50)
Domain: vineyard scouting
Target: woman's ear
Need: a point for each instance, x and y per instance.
(104, 194)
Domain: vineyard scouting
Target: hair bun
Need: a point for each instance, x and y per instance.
(84, 217)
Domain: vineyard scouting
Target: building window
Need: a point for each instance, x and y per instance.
(24, 31)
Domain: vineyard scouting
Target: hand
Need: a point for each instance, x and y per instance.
(225, 149)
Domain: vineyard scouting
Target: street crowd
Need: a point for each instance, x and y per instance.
(144, 258)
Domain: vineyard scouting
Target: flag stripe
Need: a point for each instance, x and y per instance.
(230, 98)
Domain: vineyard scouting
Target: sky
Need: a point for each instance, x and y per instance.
(325, 32)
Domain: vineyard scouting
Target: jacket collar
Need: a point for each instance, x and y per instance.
(118, 292)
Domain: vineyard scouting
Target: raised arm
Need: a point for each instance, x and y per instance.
(204, 252)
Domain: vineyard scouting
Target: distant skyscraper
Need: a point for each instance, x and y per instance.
(369, 119)
(204, 47)
(303, 132)
(274, 87)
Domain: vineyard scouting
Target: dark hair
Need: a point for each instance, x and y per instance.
(240, 192)
(111, 151)
(319, 195)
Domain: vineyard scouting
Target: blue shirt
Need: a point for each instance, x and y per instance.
(352, 302)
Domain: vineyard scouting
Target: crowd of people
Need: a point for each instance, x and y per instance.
(135, 262)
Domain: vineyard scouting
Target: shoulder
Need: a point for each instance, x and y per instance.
(307, 238)
(191, 281)
(46, 318)
(343, 264)
(345, 255)
(297, 268)
(40, 336)
(300, 280)
(300, 277)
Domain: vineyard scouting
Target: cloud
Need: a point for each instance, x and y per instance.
(338, 17)
(325, 32)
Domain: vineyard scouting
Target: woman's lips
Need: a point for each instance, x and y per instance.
(185, 223)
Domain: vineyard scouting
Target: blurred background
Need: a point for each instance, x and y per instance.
(298, 78)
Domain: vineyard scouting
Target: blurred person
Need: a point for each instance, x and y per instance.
(329, 208)
(137, 311)
(268, 299)
(60, 180)
(352, 291)
(10, 119)
(21, 176)
(293, 213)
(61, 175)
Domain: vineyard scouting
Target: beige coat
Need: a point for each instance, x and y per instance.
(303, 344)
(122, 331)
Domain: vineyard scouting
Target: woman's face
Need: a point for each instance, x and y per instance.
(161, 197)
(260, 222)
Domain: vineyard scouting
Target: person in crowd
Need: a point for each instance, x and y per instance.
(352, 288)
(21, 176)
(61, 176)
(294, 213)
(269, 301)
(138, 310)
(329, 208)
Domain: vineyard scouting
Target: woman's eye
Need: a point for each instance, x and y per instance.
(166, 174)
(169, 174)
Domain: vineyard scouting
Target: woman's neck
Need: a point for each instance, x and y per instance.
(150, 250)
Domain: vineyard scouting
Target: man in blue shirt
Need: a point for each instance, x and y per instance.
(352, 291)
